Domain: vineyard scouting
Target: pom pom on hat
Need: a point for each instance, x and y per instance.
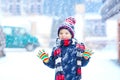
(69, 25)
(70, 21)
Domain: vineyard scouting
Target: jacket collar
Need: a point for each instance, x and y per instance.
(67, 42)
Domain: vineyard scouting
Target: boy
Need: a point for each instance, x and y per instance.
(68, 56)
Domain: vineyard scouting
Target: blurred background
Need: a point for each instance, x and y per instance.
(26, 26)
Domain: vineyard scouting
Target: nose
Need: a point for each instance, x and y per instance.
(64, 36)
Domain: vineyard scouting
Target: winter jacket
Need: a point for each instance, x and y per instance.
(67, 59)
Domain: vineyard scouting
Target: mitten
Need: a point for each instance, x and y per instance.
(87, 53)
(43, 56)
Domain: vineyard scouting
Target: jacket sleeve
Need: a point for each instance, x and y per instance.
(84, 61)
(81, 49)
(51, 62)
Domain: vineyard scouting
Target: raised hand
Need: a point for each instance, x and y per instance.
(43, 55)
(87, 53)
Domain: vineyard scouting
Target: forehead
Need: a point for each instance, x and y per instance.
(64, 30)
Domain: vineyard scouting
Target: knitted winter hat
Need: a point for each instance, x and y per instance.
(69, 25)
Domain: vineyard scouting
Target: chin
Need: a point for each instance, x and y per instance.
(65, 39)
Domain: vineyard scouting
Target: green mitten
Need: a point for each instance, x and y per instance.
(87, 53)
(43, 56)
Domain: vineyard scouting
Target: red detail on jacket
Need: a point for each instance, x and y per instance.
(60, 77)
(80, 46)
(57, 51)
(79, 71)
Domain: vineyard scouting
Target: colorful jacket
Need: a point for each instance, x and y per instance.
(67, 59)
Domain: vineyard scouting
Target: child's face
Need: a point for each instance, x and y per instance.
(64, 34)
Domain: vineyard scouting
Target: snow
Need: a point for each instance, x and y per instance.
(18, 64)
(21, 65)
(103, 66)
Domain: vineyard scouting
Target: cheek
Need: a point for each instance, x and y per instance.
(60, 36)
(69, 37)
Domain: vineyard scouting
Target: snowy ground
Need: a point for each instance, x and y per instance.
(21, 65)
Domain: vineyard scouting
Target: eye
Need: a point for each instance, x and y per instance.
(61, 33)
(66, 33)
